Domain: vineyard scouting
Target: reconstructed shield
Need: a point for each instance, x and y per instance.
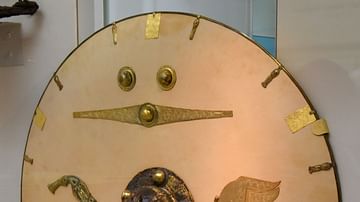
(175, 107)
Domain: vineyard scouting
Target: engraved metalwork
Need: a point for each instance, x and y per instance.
(152, 26)
(126, 195)
(143, 187)
(300, 118)
(321, 167)
(58, 82)
(195, 26)
(149, 115)
(166, 77)
(320, 127)
(79, 188)
(39, 118)
(272, 76)
(246, 189)
(114, 31)
(28, 159)
(126, 78)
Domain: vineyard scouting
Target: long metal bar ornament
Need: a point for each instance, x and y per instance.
(272, 76)
(149, 115)
(79, 188)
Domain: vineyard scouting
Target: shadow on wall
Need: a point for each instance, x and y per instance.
(337, 100)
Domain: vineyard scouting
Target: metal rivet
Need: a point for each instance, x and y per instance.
(126, 195)
(158, 177)
(148, 114)
(166, 77)
(126, 78)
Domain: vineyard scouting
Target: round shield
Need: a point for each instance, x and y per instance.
(175, 107)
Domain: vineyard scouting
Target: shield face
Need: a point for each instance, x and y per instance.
(195, 107)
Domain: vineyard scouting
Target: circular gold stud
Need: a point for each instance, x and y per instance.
(148, 115)
(126, 78)
(126, 195)
(166, 77)
(158, 177)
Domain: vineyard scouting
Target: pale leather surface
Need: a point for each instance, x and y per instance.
(219, 70)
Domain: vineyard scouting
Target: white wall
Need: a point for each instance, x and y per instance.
(319, 42)
(48, 37)
(86, 23)
(231, 12)
(90, 14)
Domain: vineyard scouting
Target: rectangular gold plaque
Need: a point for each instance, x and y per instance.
(300, 118)
(152, 26)
(320, 127)
(39, 118)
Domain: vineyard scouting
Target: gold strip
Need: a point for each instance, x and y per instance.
(152, 26)
(300, 118)
(28, 159)
(149, 115)
(320, 127)
(321, 167)
(195, 26)
(272, 76)
(114, 33)
(58, 82)
(39, 118)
